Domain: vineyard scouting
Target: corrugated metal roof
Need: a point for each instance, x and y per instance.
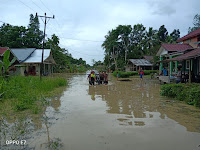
(22, 53)
(140, 62)
(36, 56)
(191, 54)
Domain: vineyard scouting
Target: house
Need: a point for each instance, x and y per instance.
(192, 39)
(136, 64)
(30, 60)
(149, 58)
(168, 51)
(184, 54)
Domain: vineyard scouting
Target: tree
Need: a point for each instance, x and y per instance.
(34, 34)
(150, 41)
(162, 33)
(12, 36)
(175, 35)
(196, 23)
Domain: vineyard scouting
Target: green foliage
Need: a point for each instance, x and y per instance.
(128, 74)
(196, 23)
(64, 61)
(6, 62)
(25, 91)
(133, 42)
(20, 37)
(31, 37)
(190, 93)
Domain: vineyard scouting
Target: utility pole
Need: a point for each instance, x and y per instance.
(45, 23)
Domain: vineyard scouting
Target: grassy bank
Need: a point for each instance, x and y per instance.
(128, 74)
(20, 93)
(190, 93)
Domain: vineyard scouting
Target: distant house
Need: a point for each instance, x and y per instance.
(30, 60)
(186, 54)
(136, 64)
(149, 58)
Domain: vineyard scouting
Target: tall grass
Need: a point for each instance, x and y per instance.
(25, 91)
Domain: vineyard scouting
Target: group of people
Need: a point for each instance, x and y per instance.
(178, 75)
(100, 78)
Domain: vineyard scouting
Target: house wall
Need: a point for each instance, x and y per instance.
(191, 42)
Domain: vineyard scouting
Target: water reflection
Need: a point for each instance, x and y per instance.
(136, 103)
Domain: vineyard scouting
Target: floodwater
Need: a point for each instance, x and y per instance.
(118, 116)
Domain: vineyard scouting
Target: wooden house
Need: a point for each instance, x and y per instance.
(136, 64)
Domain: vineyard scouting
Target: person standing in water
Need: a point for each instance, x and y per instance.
(141, 73)
(93, 78)
(117, 75)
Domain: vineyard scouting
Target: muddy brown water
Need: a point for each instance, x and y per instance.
(118, 116)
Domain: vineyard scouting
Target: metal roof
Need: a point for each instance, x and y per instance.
(36, 56)
(190, 35)
(140, 62)
(22, 53)
(189, 55)
(176, 47)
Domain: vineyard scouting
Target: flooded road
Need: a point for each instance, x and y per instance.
(122, 115)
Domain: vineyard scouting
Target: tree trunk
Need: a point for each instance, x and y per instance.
(115, 59)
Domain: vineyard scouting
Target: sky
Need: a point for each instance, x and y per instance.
(81, 25)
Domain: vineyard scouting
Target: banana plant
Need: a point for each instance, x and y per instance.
(6, 63)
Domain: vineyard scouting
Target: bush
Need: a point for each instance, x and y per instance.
(128, 74)
(190, 93)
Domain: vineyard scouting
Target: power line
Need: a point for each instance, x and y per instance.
(26, 5)
(46, 7)
(82, 53)
(37, 5)
(85, 40)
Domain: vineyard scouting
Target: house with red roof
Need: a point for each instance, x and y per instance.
(185, 54)
(192, 39)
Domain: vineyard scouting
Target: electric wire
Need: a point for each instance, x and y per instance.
(26, 5)
(37, 6)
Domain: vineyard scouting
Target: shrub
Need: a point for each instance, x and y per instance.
(190, 93)
(128, 74)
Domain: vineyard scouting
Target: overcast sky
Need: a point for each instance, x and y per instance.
(82, 24)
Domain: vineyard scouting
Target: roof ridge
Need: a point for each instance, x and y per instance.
(190, 35)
